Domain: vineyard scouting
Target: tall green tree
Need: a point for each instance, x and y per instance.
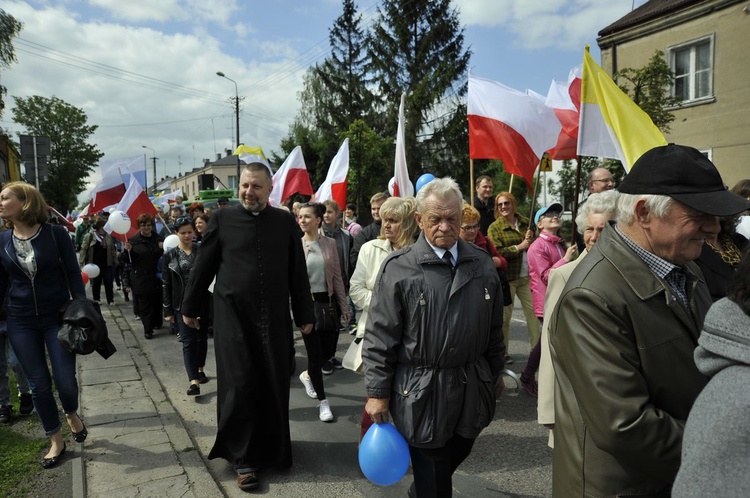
(417, 47)
(72, 158)
(343, 74)
(370, 164)
(649, 88)
(9, 29)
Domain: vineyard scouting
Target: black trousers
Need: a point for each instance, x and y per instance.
(150, 309)
(433, 467)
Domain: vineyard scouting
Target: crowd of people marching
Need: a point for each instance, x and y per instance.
(427, 290)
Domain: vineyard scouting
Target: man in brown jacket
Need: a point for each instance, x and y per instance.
(625, 328)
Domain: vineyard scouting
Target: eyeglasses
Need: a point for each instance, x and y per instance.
(182, 220)
(506, 203)
(470, 227)
(605, 180)
(551, 214)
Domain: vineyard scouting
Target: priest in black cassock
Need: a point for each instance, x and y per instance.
(254, 250)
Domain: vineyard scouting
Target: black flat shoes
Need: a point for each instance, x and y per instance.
(80, 437)
(48, 463)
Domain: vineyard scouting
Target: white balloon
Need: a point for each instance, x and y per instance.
(119, 221)
(112, 210)
(91, 270)
(171, 242)
(390, 184)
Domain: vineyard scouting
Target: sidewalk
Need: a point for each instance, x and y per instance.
(148, 438)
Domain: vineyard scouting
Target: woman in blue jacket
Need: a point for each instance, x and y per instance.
(39, 272)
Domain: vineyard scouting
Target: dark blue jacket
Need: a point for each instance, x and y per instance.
(56, 262)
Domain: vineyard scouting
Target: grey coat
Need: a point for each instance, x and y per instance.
(716, 444)
(434, 347)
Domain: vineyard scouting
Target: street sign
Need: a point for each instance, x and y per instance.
(546, 164)
(27, 147)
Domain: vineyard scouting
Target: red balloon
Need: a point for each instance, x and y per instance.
(85, 278)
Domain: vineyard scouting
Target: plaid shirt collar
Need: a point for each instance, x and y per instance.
(674, 275)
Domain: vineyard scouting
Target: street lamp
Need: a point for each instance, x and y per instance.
(153, 158)
(237, 122)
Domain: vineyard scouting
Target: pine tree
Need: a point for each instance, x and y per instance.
(417, 47)
(343, 73)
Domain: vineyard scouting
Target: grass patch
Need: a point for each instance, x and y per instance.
(20, 454)
(19, 460)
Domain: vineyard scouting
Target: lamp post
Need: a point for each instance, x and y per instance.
(153, 158)
(237, 122)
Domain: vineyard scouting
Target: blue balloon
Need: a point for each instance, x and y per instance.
(424, 180)
(383, 455)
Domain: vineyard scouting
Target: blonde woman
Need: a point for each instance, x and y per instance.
(399, 229)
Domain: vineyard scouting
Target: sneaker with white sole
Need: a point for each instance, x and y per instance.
(309, 389)
(325, 411)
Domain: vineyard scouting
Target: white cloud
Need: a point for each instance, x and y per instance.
(141, 10)
(131, 104)
(540, 24)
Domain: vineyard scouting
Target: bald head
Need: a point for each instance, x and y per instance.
(599, 180)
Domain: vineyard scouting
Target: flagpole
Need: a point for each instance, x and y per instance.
(471, 179)
(510, 187)
(575, 198)
(533, 197)
(164, 222)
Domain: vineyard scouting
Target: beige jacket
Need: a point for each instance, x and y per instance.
(546, 379)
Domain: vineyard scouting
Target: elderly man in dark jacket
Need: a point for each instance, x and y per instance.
(625, 328)
(433, 348)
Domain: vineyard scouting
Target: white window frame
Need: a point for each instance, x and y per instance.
(692, 44)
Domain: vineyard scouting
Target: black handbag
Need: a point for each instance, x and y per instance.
(504, 284)
(326, 317)
(83, 329)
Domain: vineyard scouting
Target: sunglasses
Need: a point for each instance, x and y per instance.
(183, 220)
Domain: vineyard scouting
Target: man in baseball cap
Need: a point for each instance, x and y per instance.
(623, 333)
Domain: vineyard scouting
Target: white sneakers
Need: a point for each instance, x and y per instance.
(309, 389)
(325, 411)
(325, 407)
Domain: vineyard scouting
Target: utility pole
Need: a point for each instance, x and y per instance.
(237, 123)
(153, 158)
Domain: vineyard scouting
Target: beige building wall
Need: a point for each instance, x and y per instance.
(189, 182)
(719, 125)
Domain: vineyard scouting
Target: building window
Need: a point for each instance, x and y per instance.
(232, 182)
(692, 64)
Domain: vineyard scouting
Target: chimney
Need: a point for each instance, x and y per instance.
(218, 156)
(229, 152)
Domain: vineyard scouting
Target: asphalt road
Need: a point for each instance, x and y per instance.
(510, 458)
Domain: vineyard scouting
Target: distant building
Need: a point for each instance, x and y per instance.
(706, 45)
(220, 174)
(10, 161)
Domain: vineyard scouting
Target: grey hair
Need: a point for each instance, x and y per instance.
(254, 167)
(442, 188)
(601, 203)
(658, 205)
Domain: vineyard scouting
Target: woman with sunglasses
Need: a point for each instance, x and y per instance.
(511, 236)
(144, 250)
(326, 285)
(176, 266)
(545, 254)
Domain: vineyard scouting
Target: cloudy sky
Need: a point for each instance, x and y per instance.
(144, 71)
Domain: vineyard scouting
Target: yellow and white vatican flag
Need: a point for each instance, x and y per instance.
(611, 124)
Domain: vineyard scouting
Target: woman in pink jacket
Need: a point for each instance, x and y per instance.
(327, 287)
(546, 253)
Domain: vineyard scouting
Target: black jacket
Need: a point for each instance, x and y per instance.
(174, 282)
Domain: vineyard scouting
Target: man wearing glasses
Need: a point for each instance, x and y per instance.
(599, 180)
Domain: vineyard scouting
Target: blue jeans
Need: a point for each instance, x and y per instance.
(8, 357)
(194, 345)
(33, 339)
